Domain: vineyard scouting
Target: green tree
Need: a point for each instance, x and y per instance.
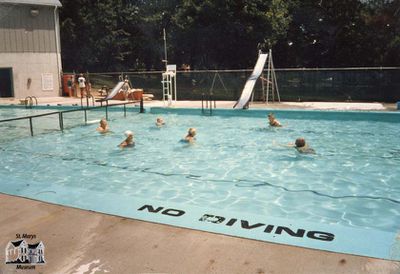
(226, 34)
(336, 33)
(96, 35)
(382, 18)
(128, 34)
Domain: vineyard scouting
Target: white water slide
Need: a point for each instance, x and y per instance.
(249, 86)
(115, 90)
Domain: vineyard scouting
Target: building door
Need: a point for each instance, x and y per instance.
(6, 84)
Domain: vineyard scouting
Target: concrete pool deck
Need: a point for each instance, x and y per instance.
(81, 241)
(67, 101)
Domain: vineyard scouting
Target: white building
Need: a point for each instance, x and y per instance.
(36, 253)
(30, 54)
(18, 252)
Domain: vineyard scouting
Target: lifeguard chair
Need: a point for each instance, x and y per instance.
(169, 85)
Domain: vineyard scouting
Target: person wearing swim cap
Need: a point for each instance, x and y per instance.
(128, 142)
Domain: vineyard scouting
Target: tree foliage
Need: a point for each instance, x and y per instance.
(111, 35)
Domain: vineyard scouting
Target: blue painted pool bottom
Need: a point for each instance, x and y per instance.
(328, 237)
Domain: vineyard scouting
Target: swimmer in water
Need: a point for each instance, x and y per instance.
(103, 127)
(128, 142)
(190, 137)
(272, 121)
(160, 122)
(301, 146)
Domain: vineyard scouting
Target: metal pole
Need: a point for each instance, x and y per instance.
(125, 111)
(165, 49)
(141, 105)
(30, 125)
(61, 121)
(85, 116)
(107, 110)
(275, 81)
(176, 99)
(202, 103)
(211, 103)
(268, 75)
(272, 76)
(262, 85)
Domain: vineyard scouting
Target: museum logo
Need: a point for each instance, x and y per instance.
(23, 254)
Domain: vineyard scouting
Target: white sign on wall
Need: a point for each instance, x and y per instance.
(47, 81)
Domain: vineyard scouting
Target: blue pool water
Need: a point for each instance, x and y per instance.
(238, 164)
(46, 124)
(13, 112)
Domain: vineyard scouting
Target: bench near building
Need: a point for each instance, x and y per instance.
(30, 54)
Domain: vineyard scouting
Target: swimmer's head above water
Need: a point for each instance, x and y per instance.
(192, 132)
(300, 142)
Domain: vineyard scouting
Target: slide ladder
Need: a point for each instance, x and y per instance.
(270, 81)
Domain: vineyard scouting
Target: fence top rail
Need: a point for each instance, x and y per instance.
(337, 69)
(245, 70)
(63, 111)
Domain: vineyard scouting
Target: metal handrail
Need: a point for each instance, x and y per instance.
(30, 99)
(60, 114)
(208, 102)
(26, 101)
(87, 100)
(36, 101)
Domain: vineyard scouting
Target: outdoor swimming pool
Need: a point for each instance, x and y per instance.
(237, 165)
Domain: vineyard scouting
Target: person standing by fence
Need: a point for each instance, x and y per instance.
(70, 84)
(82, 83)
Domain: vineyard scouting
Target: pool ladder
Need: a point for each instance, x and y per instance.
(207, 104)
(87, 96)
(29, 101)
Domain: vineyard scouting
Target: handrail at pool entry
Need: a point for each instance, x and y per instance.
(60, 114)
(29, 101)
(208, 102)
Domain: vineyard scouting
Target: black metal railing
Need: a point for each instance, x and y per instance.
(60, 115)
(208, 103)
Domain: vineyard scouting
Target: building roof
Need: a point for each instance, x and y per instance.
(33, 2)
(33, 246)
(17, 243)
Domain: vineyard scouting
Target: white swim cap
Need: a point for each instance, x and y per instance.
(128, 133)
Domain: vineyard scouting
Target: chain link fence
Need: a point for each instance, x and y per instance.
(345, 84)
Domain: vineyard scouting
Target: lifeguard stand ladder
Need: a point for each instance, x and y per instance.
(169, 85)
(270, 83)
